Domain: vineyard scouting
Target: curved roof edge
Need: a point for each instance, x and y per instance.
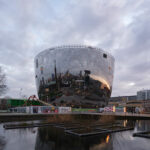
(74, 46)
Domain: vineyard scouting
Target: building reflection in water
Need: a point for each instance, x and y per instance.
(50, 138)
(142, 125)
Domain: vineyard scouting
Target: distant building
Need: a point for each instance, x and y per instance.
(143, 95)
(123, 98)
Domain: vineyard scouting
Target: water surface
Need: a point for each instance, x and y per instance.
(50, 138)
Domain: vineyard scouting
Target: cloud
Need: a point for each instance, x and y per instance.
(120, 27)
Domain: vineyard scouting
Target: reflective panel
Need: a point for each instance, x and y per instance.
(74, 75)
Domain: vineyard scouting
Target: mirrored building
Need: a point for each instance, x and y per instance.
(74, 75)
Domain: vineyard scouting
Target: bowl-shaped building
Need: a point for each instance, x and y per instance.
(74, 75)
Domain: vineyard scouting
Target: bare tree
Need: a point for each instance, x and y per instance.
(3, 86)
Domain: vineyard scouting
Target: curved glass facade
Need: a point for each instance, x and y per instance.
(77, 71)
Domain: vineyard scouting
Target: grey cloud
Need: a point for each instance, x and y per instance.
(120, 27)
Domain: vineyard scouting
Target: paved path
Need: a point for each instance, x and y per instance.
(119, 114)
(82, 113)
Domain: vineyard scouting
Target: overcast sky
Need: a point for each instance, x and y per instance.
(121, 27)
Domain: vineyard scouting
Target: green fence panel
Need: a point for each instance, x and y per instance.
(84, 110)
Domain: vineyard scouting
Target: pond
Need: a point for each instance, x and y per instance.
(51, 138)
